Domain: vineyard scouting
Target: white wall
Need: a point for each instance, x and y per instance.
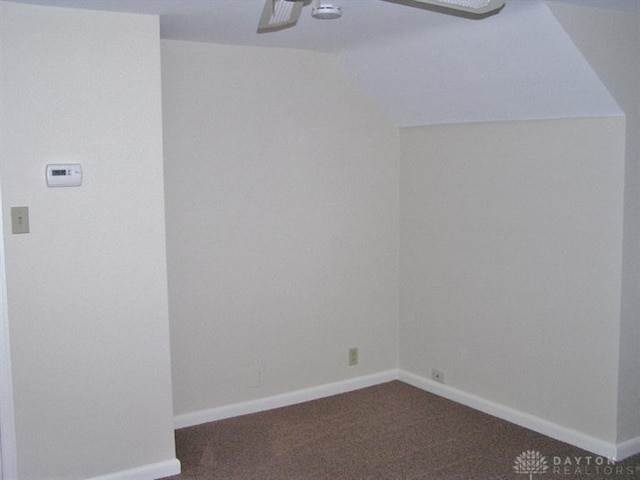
(610, 41)
(282, 236)
(87, 292)
(282, 224)
(511, 237)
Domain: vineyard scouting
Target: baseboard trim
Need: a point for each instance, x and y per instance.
(153, 471)
(628, 448)
(613, 451)
(283, 400)
(545, 427)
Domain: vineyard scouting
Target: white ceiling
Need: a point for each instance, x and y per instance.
(420, 66)
(517, 65)
(235, 21)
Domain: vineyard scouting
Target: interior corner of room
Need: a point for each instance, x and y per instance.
(258, 226)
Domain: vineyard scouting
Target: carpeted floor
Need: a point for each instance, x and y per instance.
(390, 431)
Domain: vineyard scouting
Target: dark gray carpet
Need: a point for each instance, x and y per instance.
(390, 431)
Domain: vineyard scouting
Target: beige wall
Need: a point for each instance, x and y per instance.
(282, 224)
(281, 193)
(610, 41)
(87, 291)
(511, 238)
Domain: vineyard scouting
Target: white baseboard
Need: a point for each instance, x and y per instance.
(573, 437)
(146, 472)
(545, 427)
(283, 400)
(628, 448)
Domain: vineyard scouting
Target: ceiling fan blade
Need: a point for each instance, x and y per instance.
(279, 14)
(480, 8)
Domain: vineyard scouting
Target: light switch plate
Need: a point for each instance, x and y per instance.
(19, 220)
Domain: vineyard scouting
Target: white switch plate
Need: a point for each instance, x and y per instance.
(19, 220)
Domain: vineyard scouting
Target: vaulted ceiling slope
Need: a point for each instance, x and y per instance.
(419, 66)
(519, 64)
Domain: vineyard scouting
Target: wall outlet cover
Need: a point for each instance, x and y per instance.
(353, 356)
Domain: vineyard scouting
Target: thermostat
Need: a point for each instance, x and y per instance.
(64, 175)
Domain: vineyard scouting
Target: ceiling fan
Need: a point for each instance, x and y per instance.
(281, 14)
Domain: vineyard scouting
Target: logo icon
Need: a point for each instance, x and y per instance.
(530, 462)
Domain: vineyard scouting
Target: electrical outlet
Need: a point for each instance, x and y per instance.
(437, 375)
(353, 356)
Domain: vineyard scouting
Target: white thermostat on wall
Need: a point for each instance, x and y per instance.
(64, 175)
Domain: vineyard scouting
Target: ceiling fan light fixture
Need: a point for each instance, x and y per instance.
(326, 12)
